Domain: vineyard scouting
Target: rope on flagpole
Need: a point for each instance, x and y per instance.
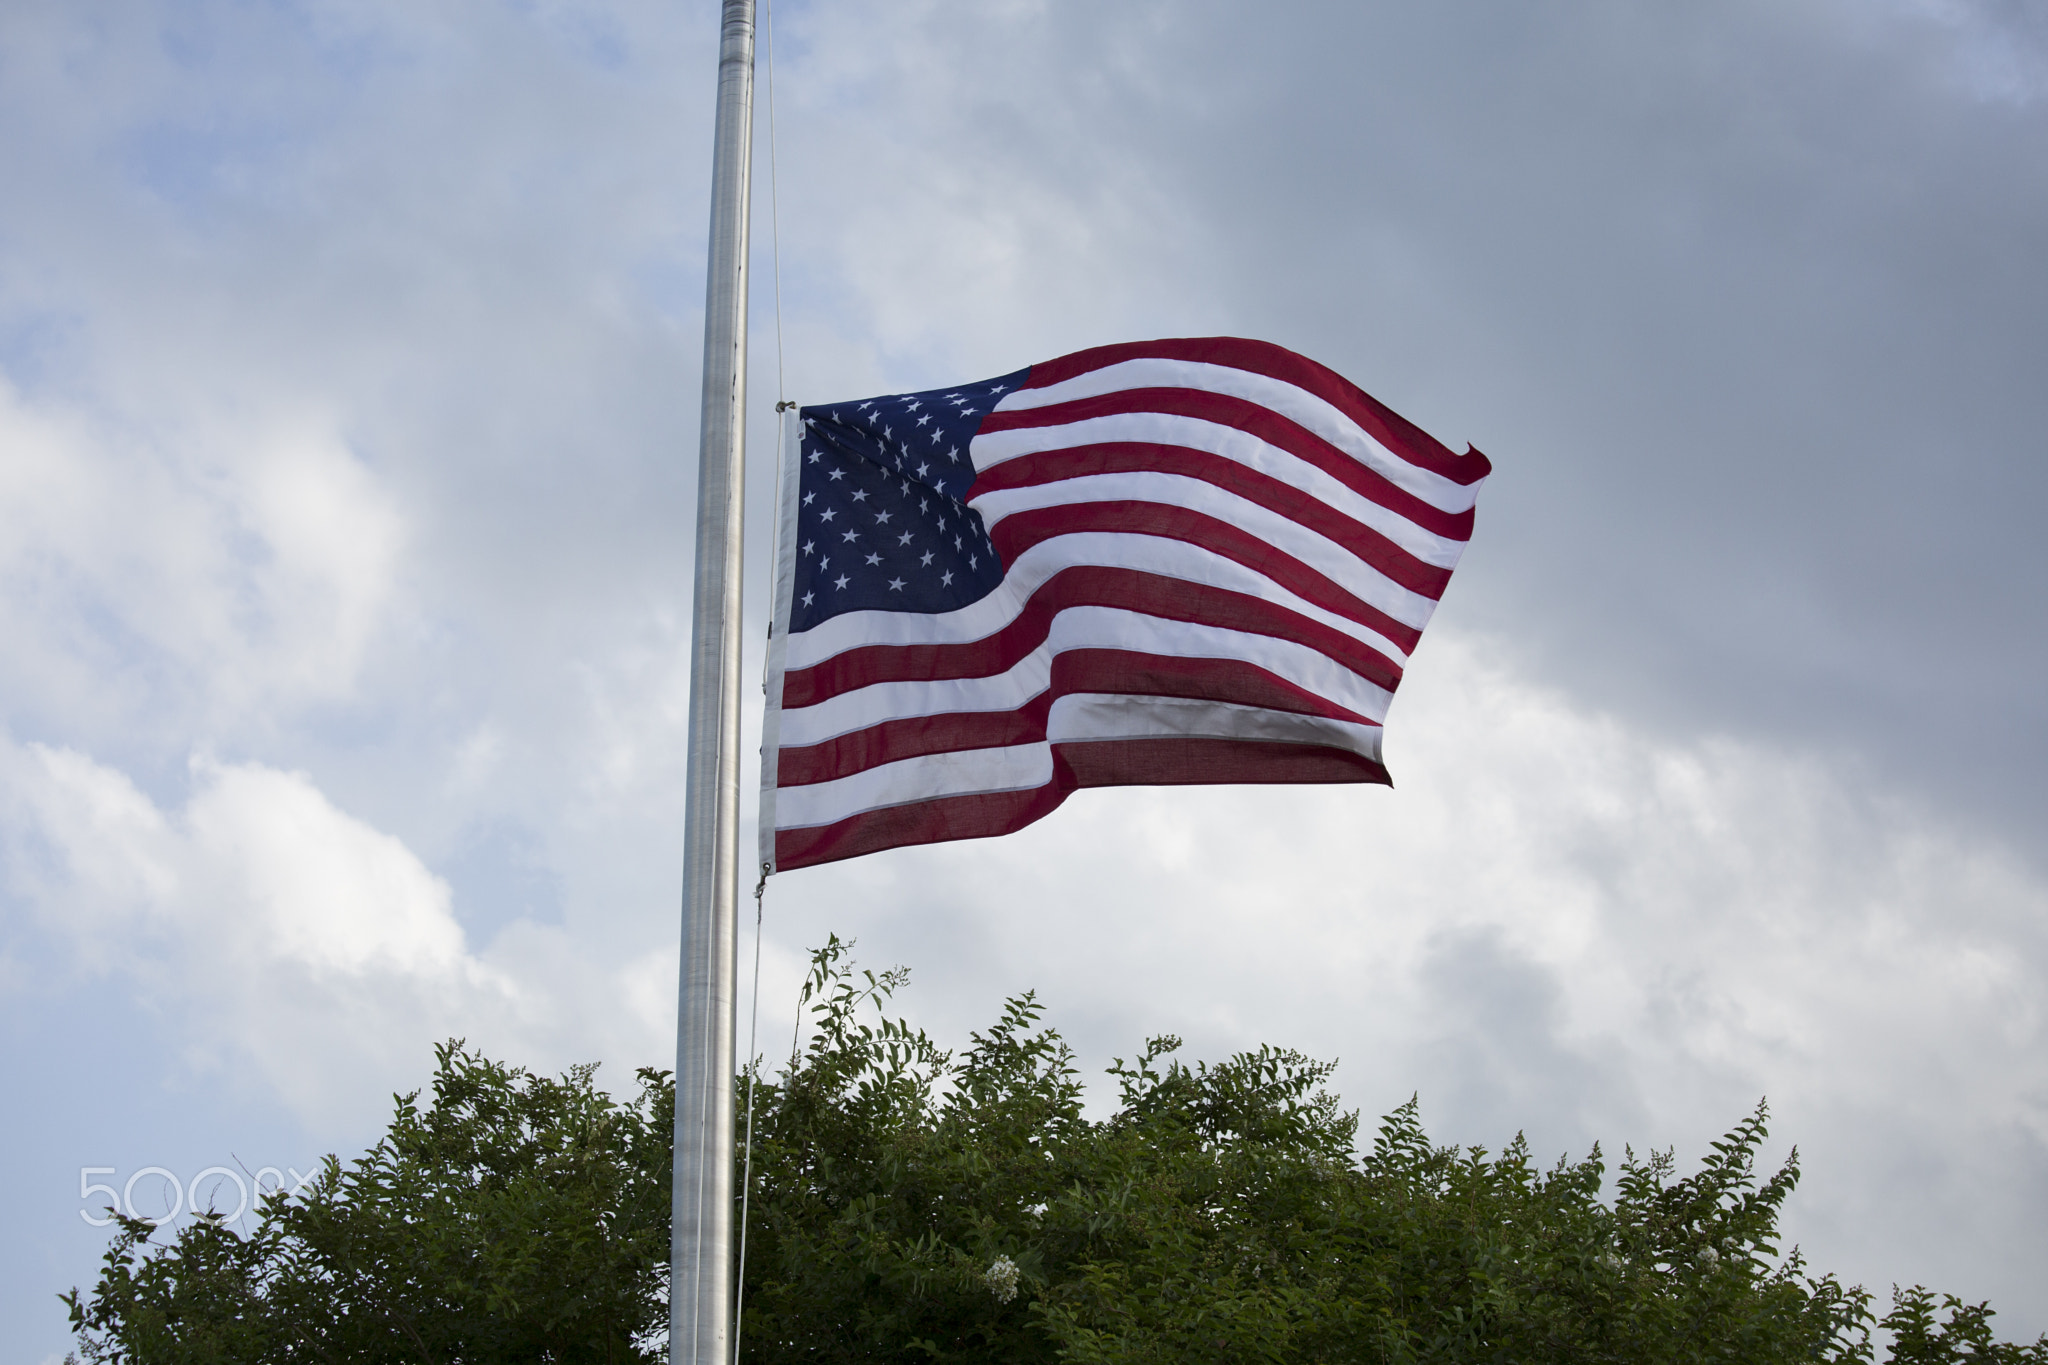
(782, 401)
(782, 406)
(739, 1321)
(760, 889)
(774, 208)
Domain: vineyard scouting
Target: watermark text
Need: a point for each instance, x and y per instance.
(156, 1195)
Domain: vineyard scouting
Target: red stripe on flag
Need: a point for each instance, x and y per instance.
(1252, 419)
(1118, 671)
(1125, 457)
(911, 737)
(981, 816)
(1171, 599)
(1182, 762)
(1388, 427)
(1019, 531)
(1093, 763)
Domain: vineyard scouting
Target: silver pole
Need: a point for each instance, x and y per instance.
(700, 1248)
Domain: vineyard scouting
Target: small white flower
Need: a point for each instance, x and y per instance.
(1002, 1279)
(1710, 1256)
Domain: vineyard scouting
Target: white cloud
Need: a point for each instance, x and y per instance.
(207, 575)
(263, 925)
(334, 539)
(325, 893)
(1556, 922)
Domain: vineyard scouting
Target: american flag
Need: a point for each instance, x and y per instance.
(1187, 561)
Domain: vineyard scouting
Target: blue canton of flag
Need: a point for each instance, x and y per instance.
(882, 518)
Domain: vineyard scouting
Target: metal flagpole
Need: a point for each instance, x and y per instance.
(700, 1246)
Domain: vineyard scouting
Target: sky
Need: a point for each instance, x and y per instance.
(349, 358)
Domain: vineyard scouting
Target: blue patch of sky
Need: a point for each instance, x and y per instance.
(499, 875)
(103, 636)
(240, 137)
(351, 49)
(39, 348)
(672, 288)
(254, 103)
(354, 725)
(31, 860)
(194, 166)
(133, 1100)
(597, 38)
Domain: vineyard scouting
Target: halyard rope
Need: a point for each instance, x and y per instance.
(747, 1168)
(760, 887)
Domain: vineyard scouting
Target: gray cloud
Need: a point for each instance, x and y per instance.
(1746, 300)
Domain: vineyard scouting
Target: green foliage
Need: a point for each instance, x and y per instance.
(914, 1205)
(512, 1218)
(1918, 1339)
(1223, 1213)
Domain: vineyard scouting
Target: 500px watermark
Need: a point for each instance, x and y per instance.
(209, 1185)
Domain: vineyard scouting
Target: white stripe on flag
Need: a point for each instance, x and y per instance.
(1114, 715)
(1239, 447)
(1025, 767)
(964, 772)
(1284, 534)
(1082, 628)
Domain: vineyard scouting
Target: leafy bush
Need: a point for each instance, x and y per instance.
(512, 1218)
(911, 1205)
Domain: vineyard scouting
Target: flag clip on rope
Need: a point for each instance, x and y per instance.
(1187, 561)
